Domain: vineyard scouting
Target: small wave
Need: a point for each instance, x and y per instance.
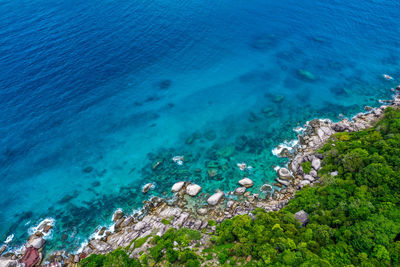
(299, 129)
(9, 238)
(40, 227)
(289, 145)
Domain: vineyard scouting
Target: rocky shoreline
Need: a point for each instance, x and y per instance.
(159, 214)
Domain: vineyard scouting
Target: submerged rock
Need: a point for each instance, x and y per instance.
(193, 189)
(177, 186)
(215, 198)
(202, 211)
(165, 84)
(246, 182)
(88, 169)
(306, 75)
(278, 98)
(146, 188)
(266, 187)
(240, 190)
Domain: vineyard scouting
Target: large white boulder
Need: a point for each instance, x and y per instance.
(36, 242)
(193, 189)
(304, 183)
(284, 173)
(284, 182)
(309, 178)
(177, 186)
(246, 182)
(215, 198)
(316, 164)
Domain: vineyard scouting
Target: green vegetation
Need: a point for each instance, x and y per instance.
(165, 222)
(354, 217)
(212, 223)
(140, 241)
(306, 165)
(116, 258)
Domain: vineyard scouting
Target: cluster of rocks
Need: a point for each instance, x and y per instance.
(316, 134)
(158, 214)
(31, 253)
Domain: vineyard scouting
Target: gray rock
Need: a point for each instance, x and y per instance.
(202, 211)
(76, 258)
(215, 198)
(316, 164)
(100, 246)
(193, 189)
(181, 220)
(230, 204)
(118, 214)
(302, 217)
(304, 183)
(177, 186)
(266, 188)
(2, 249)
(335, 173)
(284, 182)
(36, 242)
(170, 211)
(128, 221)
(139, 226)
(118, 224)
(295, 164)
(309, 177)
(314, 173)
(240, 190)
(146, 188)
(377, 112)
(8, 263)
(197, 224)
(246, 182)
(284, 173)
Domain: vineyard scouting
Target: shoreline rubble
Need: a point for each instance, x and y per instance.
(150, 220)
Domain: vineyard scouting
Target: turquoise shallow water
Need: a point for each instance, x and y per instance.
(93, 94)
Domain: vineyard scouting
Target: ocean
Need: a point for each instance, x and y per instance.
(97, 97)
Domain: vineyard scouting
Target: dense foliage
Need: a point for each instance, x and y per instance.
(354, 216)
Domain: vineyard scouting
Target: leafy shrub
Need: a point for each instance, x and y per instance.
(306, 165)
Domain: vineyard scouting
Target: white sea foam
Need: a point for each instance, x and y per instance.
(40, 226)
(9, 238)
(289, 145)
(178, 160)
(79, 250)
(299, 129)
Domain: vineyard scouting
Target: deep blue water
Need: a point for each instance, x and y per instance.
(92, 93)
